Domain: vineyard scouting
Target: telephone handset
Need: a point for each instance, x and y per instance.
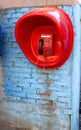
(41, 42)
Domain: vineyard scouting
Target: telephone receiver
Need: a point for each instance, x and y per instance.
(41, 43)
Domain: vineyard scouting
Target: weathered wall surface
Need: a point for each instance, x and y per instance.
(36, 99)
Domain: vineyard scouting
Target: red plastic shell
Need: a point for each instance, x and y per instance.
(51, 25)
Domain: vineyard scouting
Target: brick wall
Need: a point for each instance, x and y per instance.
(24, 83)
(21, 79)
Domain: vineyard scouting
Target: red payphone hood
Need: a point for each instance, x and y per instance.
(40, 24)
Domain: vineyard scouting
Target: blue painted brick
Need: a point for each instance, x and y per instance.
(25, 10)
(15, 94)
(14, 98)
(13, 88)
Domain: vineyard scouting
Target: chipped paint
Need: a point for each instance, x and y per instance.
(33, 116)
(46, 93)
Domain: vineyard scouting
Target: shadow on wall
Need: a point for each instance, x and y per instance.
(1, 41)
(1, 89)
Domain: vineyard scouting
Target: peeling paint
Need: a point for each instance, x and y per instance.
(48, 81)
(46, 93)
(52, 103)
